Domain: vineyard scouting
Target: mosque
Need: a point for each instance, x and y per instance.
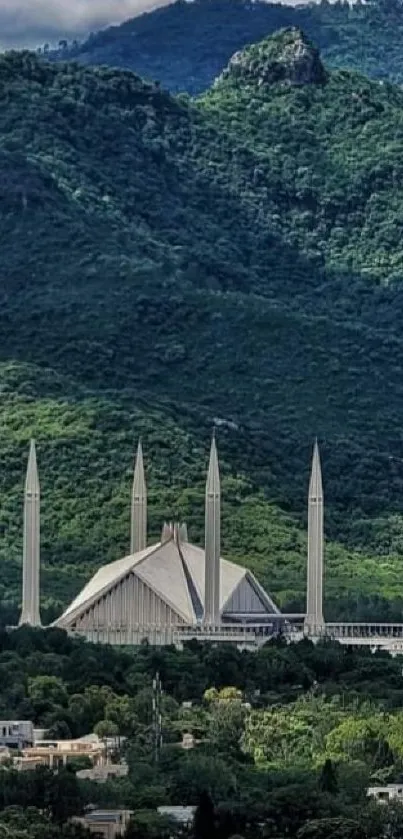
(172, 590)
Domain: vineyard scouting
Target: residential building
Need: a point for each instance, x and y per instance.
(16, 734)
(106, 823)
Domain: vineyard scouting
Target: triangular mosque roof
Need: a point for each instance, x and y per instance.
(169, 570)
(230, 576)
(163, 572)
(107, 576)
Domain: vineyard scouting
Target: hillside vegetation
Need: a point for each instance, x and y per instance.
(186, 45)
(169, 265)
(286, 739)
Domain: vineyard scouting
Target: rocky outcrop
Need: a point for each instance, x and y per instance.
(287, 58)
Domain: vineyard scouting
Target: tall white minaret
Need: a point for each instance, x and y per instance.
(314, 622)
(138, 519)
(212, 542)
(31, 552)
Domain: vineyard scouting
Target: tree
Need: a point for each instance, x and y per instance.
(230, 694)
(198, 773)
(120, 711)
(147, 824)
(49, 690)
(328, 778)
(59, 730)
(204, 820)
(226, 725)
(105, 729)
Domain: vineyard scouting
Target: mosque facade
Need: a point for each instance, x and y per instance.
(172, 590)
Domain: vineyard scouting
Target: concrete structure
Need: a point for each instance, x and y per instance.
(171, 587)
(181, 814)
(160, 591)
(16, 734)
(31, 552)
(314, 623)
(55, 753)
(211, 614)
(102, 773)
(173, 591)
(106, 823)
(138, 535)
(28, 764)
(188, 741)
(390, 792)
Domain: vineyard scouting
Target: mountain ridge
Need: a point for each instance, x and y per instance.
(186, 45)
(178, 279)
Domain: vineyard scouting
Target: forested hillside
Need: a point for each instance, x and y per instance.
(186, 45)
(170, 265)
(284, 740)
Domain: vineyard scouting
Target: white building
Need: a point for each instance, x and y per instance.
(390, 792)
(16, 734)
(161, 589)
(181, 814)
(173, 590)
(172, 587)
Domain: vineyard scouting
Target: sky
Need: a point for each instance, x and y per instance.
(31, 23)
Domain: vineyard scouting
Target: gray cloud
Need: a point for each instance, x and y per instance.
(30, 23)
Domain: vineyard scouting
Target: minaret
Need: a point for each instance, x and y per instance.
(31, 553)
(212, 542)
(314, 622)
(138, 536)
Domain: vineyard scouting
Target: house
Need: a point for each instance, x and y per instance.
(390, 792)
(16, 734)
(55, 753)
(106, 823)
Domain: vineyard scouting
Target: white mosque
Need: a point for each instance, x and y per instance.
(172, 590)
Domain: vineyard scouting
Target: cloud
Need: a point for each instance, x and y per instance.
(30, 23)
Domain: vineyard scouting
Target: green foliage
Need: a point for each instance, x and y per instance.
(148, 825)
(57, 794)
(171, 265)
(204, 823)
(33, 823)
(185, 46)
(331, 829)
(294, 760)
(328, 778)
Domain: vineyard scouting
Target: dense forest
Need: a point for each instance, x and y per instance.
(286, 739)
(172, 265)
(187, 44)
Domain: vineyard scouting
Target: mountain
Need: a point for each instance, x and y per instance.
(171, 265)
(187, 44)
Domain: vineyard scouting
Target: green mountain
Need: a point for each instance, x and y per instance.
(186, 45)
(171, 265)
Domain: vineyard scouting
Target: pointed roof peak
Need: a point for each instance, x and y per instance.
(139, 453)
(139, 483)
(213, 461)
(213, 475)
(32, 478)
(315, 484)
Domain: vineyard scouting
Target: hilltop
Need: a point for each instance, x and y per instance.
(170, 265)
(186, 45)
